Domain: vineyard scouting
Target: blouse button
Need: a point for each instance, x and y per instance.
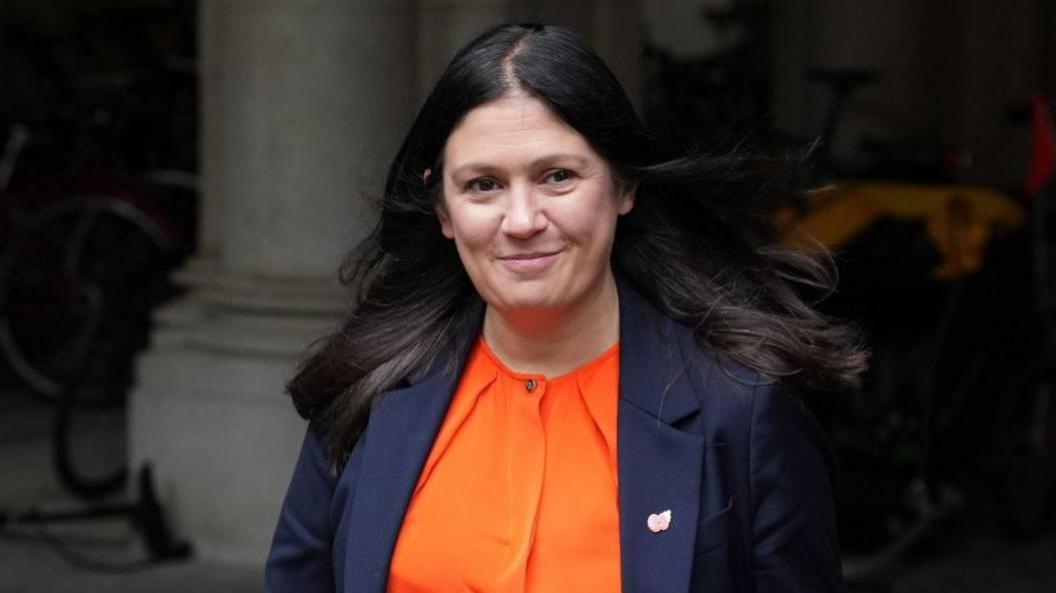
(530, 385)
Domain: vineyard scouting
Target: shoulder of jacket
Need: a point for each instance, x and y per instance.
(723, 380)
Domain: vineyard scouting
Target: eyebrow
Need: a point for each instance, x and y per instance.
(549, 158)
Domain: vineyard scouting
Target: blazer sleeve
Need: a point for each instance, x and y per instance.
(300, 557)
(794, 541)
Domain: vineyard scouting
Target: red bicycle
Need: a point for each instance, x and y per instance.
(86, 258)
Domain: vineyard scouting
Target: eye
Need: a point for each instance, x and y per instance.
(481, 185)
(560, 176)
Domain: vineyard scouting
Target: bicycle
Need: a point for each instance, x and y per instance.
(78, 274)
(90, 228)
(910, 443)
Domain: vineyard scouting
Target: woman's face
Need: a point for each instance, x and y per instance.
(530, 205)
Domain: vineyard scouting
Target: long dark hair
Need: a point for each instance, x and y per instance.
(694, 245)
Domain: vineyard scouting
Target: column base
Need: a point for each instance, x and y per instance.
(209, 412)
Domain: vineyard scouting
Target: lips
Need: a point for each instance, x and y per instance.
(529, 261)
(529, 256)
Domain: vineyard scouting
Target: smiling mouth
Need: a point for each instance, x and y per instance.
(529, 256)
(534, 261)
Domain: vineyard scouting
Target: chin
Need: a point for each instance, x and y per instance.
(527, 299)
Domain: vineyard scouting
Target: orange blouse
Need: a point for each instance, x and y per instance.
(519, 492)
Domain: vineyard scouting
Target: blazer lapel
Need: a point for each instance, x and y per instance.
(399, 435)
(659, 465)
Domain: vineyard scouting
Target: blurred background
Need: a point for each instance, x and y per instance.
(180, 180)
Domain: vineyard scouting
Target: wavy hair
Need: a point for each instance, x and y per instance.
(696, 244)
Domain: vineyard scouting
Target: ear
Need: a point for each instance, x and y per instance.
(441, 210)
(628, 191)
(445, 221)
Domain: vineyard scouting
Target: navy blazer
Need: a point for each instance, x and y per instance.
(743, 467)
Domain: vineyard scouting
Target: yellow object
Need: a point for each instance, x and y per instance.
(960, 219)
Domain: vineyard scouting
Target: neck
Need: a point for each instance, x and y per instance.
(554, 342)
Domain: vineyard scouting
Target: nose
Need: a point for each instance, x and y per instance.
(524, 217)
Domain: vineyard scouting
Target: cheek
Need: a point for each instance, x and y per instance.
(474, 228)
(590, 222)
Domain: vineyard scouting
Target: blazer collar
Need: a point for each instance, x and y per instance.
(400, 432)
(655, 357)
(659, 466)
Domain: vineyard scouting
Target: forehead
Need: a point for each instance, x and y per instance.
(513, 127)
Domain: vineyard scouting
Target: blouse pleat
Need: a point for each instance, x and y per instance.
(519, 492)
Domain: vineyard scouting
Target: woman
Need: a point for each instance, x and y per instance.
(569, 363)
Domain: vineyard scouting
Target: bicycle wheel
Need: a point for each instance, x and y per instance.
(76, 289)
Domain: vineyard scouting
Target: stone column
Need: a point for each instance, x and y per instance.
(616, 33)
(444, 26)
(304, 102)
